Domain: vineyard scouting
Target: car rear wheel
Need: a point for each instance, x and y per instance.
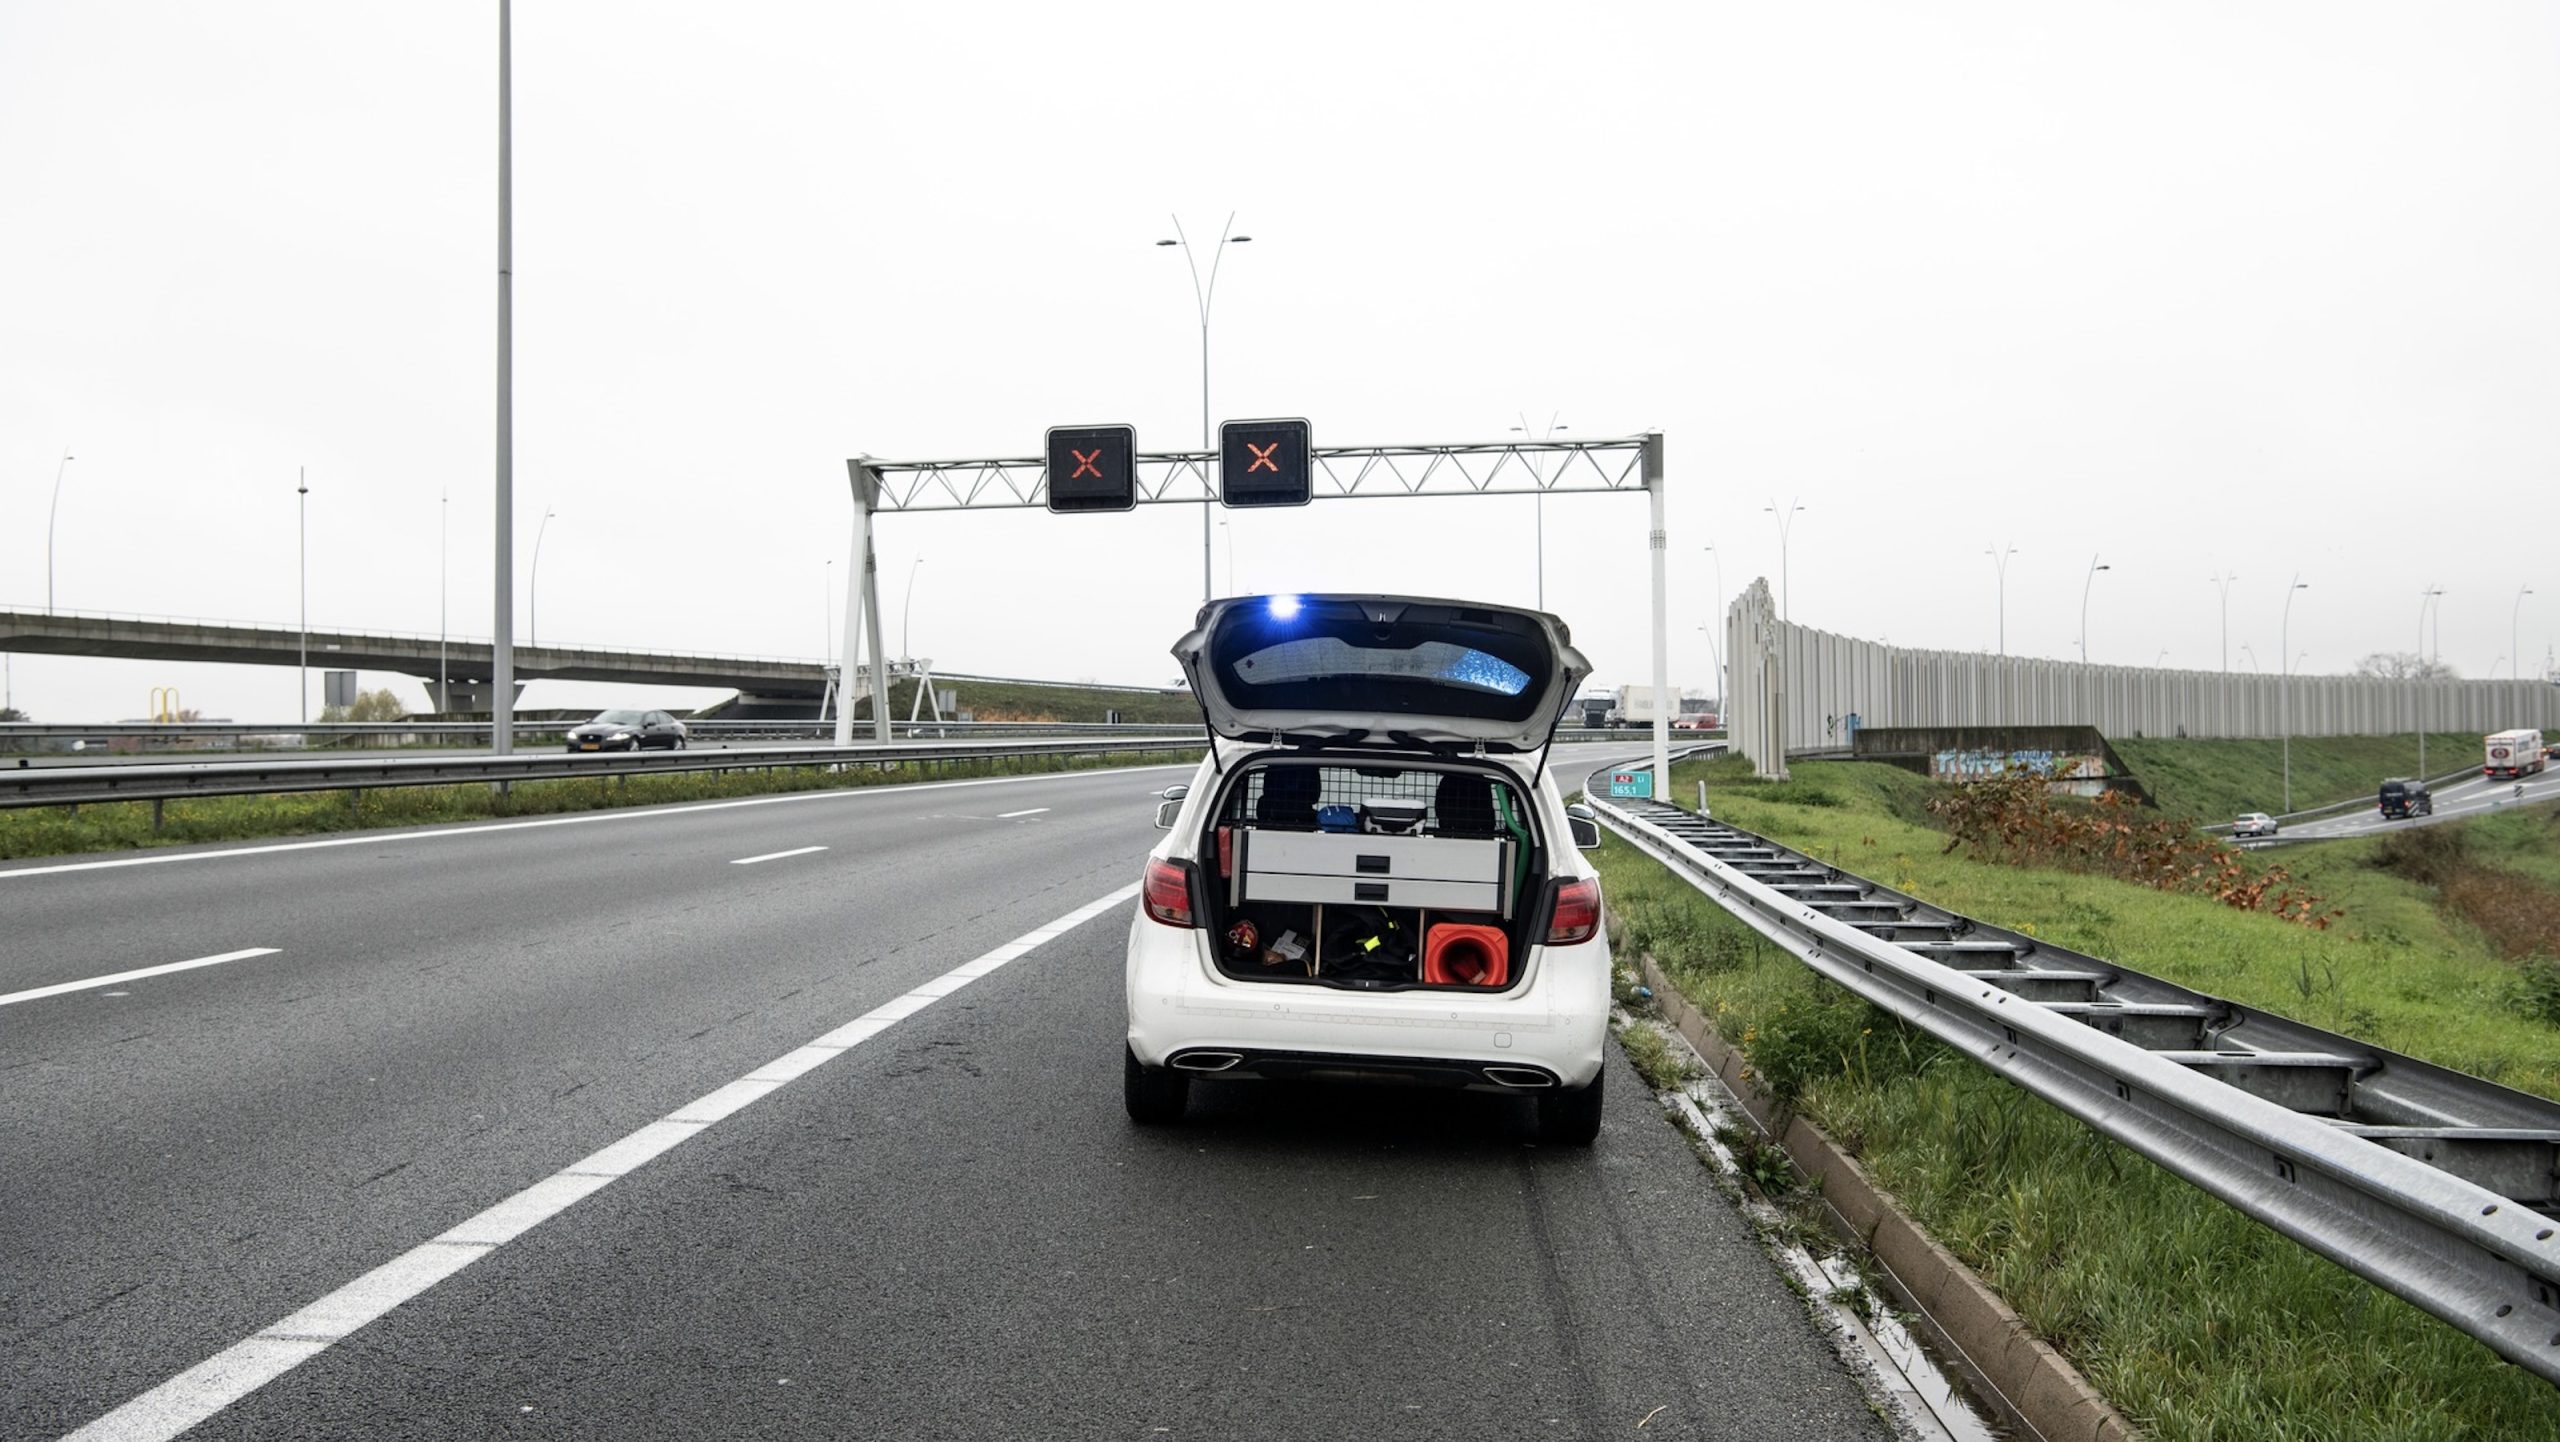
(1155, 1096)
(1570, 1118)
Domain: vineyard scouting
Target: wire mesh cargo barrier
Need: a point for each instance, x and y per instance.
(2440, 1187)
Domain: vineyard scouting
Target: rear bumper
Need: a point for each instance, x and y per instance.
(1481, 1075)
(1549, 1032)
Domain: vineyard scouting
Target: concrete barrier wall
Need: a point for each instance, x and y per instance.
(1797, 689)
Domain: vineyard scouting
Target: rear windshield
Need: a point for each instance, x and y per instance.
(1432, 660)
(1453, 803)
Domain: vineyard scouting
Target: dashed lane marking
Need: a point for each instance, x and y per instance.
(236, 1371)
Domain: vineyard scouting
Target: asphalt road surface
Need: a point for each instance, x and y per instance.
(2457, 800)
(787, 1117)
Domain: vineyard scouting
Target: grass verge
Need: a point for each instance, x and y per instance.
(2217, 780)
(2195, 1321)
(59, 831)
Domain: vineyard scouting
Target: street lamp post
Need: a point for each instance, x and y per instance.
(1204, 296)
(2250, 656)
(2514, 615)
(533, 583)
(1714, 626)
(2284, 693)
(1234, 587)
(1541, 496)
(302, 566)
(906, 615)
(2418, 676)
(827, 607)
(2092, 579)
(1786, 520)
(444, 685)
(2224, 580)
(49, 514)
(2000, 559)
(502, 612)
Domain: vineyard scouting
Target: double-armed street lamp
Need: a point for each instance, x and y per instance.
(2223, 580)
(1204, 295)
(2000, 559)
(1786, 519)
(1541, 497)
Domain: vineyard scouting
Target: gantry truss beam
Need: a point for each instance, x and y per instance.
(1487, 468)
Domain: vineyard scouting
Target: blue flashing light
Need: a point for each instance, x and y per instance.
(1284, 607)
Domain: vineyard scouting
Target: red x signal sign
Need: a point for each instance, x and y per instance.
(1092, 468)
(1265, 463)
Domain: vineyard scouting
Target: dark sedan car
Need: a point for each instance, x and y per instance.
(627, 731)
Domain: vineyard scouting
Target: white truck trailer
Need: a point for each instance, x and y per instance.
(2514, 753)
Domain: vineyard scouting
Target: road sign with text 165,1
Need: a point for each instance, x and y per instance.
(1631, 783)
(1092, 468)
(1265, 463)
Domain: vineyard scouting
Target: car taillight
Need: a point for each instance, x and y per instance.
(1167, 893)
(1577, 913)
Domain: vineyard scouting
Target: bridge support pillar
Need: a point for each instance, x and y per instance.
(465, 696)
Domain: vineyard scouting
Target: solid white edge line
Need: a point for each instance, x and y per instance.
(583, 818)
(58, 988)
(238, 1370)
(776, 855)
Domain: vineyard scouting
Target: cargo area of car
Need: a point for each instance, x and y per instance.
(1372, 875)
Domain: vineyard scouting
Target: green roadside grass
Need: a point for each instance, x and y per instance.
(2217, 780)
(2197, 1322)
(63, 831)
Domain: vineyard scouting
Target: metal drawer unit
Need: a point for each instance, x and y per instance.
(1425, 873)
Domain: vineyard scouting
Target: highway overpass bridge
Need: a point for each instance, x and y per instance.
(463, 664)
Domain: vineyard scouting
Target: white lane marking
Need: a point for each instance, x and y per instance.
(776, 855)
(236, 1371)
(1009, 815)
(34, 993)
(581, 819)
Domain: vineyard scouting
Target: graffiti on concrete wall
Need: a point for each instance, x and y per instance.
(2077, 773)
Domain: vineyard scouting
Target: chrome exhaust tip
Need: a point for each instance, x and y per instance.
(1524, 1078)
(1206, 1060)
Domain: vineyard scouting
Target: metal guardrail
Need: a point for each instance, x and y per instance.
(2440, 1187)
(187, 731)
(95, 785)
(20, 735)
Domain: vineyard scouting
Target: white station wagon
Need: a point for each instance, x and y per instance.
(1371, 876)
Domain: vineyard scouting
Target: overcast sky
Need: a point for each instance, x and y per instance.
(2189, 289)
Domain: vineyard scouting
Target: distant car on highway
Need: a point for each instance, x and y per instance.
(2254, 823)
(628, 731)
(2404, 796)
(1695, 721)
(1373, 876)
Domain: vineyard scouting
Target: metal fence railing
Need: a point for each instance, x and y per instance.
(162, 782)
(2437, 1186)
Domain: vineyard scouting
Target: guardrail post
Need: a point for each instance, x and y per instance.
(155, 815)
